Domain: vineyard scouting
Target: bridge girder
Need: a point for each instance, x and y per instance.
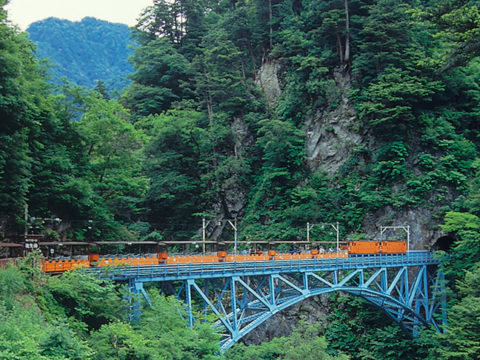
(411, 296)
(409, 288)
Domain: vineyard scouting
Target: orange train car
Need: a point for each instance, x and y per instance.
(351, 248)
(393, 247)
(375, 247)
(363, 247)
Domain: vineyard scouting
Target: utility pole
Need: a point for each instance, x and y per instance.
(26, 221)
(408, 237)
(335, 227)
(309, 227)
(405, 228)
(204, 233)
(234, 227)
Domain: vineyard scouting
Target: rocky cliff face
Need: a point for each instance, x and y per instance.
(333, 132)
(268, 80)
(232, 196)
(312, 310)
(331, 136)
(419, 220)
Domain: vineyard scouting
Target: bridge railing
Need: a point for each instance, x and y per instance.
(200, 270)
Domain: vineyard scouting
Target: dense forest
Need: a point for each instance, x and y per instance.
(84, 52)
(272, 112)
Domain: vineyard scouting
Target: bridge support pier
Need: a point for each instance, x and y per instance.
(133, 295)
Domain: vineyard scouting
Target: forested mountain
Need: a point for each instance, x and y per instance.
(272, 112)
(85, 52)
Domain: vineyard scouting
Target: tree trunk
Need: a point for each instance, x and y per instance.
(270, 17)
(339, 48)
(252, 57)
(208, 98)
(102, 175)
(346, 58)
(90, 149)
(244, 77)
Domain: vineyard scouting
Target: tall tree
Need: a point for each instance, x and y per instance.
(158, 81)
(219, 80)
(17, 63)
(175, 164)
(397, 82)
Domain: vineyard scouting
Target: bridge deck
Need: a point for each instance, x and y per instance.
(169, 272)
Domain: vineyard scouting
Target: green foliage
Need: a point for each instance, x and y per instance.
(466, 227)
(362, 331)
(391, 165)
(150, 338)
(461, 338)
(20, 332)
(462, 267)
(11, 283)
(76, 316)
(199, 138)
(118, 340)
(157, 82)
(392, 98)
(456, 222)
(175, 165)
(397, 80)
(169, 338)
(17, 64)
(305, 343)
(459, 23)
(282, 145)
(60, 342)
(24, 331)
(218, 77)
(115, 150)
(83, 299)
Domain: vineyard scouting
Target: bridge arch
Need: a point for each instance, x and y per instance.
(243, 295)
(403, 315)
(411, 296)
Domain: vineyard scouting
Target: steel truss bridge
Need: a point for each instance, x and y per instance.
(409, 287)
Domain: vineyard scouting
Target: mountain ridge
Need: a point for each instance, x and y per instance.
(86, 51)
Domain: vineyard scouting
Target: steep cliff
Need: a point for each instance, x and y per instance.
(333, 132)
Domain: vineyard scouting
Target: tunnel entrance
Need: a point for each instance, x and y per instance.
(444, 243)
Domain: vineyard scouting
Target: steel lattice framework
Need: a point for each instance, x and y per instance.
(241, 296)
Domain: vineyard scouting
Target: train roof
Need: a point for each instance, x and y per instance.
(172, 243)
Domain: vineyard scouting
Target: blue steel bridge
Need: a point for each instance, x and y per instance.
(409, 287)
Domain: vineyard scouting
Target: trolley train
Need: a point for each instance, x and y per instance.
(256, 251)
